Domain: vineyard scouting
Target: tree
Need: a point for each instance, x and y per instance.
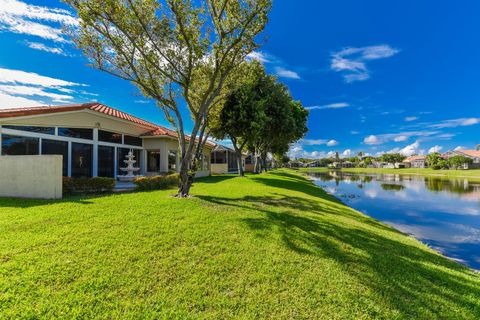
(392, 157)
(433, 159)
(173, 52)
(241, 117)
(280, 120)
(459, 161)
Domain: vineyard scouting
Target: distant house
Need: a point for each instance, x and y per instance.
(382, 165)
(313, 164)
(224, 160)
(472, 154)
(417, 161)
(296, 164)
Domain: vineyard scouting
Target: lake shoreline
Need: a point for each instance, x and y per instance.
(472, 175)
(324, 186)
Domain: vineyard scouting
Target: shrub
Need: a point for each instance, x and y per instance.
(156, 182)
(87, 185)
(441, 164)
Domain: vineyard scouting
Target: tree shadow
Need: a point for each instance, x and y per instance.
(415, 281)
(27, 203)
(216, 178)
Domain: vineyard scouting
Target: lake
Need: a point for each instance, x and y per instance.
(441, 212)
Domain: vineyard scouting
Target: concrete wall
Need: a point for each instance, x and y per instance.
(219, 168)
(31, 176)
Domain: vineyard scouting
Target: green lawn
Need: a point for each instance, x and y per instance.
(473, 175)
(268, 246)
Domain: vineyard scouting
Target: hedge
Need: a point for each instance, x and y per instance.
(156, 182)
(87, 185)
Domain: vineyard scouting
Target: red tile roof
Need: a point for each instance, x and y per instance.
(471, 153)
(415, 158)
(156, 130)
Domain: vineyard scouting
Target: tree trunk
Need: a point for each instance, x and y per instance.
(184, 184)
(238, 155)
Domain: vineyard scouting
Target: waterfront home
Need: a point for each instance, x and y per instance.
(224, 160)
(417, 161)
(295, 164)
(93, 139)
(472, 154)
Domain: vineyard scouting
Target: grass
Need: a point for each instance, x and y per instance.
(267, 246)
(473, 175)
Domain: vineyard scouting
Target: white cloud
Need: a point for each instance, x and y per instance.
(284, 73)
(354, 132)
(338, 105)
(459, 148)
(462, 122)
(258, 55)
(352, 61)
(19, 76)
(24, 89)
(8, 101)
(332, 143)
(407, 151)
(34, 91)
(43, 47)
(318, 142)
(347, 153)
(435, 148)
(397, 137)
(408, 119)
(20, 17)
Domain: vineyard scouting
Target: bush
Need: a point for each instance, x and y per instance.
(87, 185)
(441, 164)
(156, 182)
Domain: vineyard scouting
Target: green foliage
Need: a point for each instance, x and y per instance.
(440, 164)
(87, 185)
(392, 157)
(265, 246)
(457, 162)
(433, 159)
(156, 182)
(172, 50)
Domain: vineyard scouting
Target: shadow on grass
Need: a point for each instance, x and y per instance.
(216, 179)
(412, 280)
(27, 203)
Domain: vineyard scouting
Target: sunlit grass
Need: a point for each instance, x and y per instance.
(267, 246)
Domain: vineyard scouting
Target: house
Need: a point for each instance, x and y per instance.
(313, 164)
(472, 154)
(224, 160)
(295, 164)
(93, 139)
(417, 161)
(382, 165)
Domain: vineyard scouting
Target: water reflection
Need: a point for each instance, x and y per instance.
(444, 213)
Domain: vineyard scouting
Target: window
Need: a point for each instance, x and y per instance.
(57, 147)
(133, 141)
(219, 157)
(107, 136)
(106, 161)
(172, 160)
(44, 130)
(249, 160)
(16, 146)
(82, 160)
(121, 156)
(153, 161)
(76, 133)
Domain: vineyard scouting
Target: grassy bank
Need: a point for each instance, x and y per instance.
(470, 174)
(267, 246)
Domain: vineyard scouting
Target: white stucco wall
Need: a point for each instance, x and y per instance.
(31, 176)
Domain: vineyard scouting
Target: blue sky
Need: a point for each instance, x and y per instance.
(377, 76)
